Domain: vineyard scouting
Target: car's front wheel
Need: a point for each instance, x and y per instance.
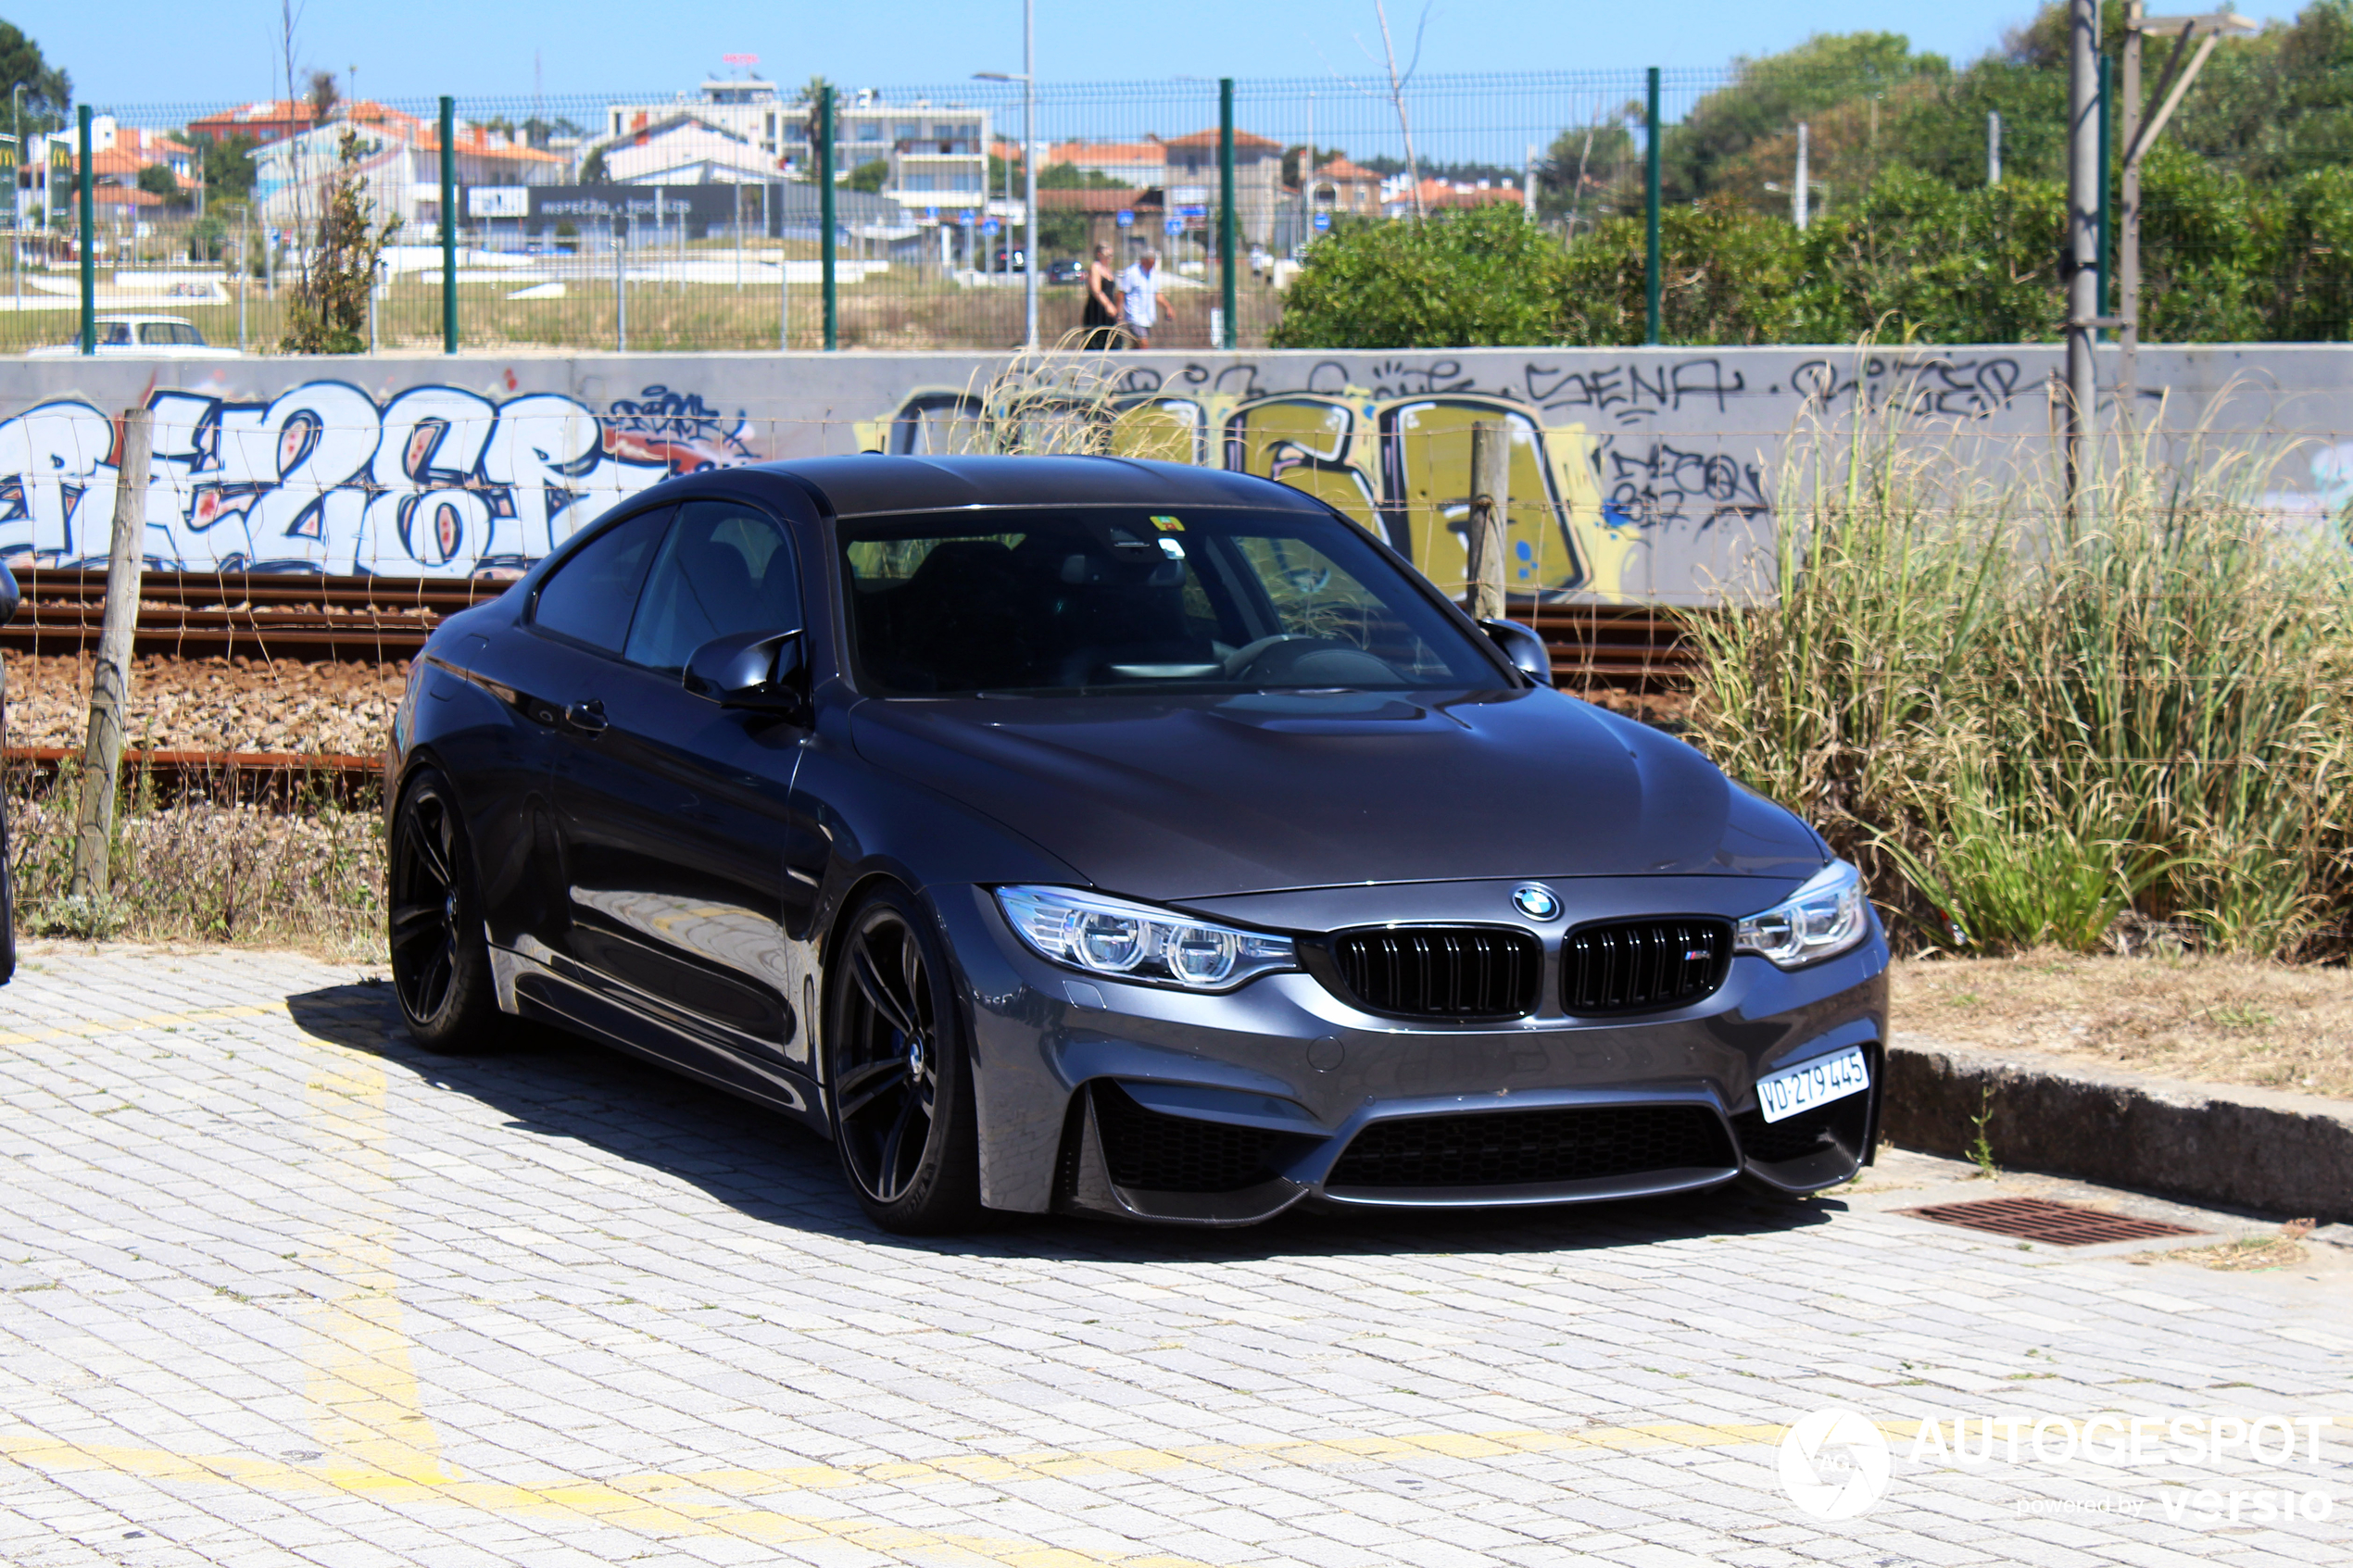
(900, 1073)
(440, 958)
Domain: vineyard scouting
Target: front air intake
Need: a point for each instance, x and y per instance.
(1441, 972)
(1643, 965)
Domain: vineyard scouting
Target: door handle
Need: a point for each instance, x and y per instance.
(588, 717)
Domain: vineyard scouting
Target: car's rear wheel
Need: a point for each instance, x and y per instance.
(900, 1073)
(440, 959)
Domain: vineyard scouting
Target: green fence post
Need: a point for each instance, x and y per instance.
(1650, 213)
(89, 236)
(825, 213)
(2099, 287)
(1226, 216)
(450, 225)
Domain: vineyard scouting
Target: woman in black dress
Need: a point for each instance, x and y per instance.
(1101, 317)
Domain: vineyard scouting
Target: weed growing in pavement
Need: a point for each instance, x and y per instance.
(1981, 1152)
(2032, 724)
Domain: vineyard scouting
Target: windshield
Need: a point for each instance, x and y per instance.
(1123, 600)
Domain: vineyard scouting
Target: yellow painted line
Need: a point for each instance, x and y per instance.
(90, 1029)
(362, 1385)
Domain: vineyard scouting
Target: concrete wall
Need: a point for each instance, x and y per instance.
(1639, 473)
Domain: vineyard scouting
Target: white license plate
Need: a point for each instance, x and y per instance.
(1801, 1088)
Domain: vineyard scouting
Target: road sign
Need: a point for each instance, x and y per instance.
(931, 214)
(1175, 225)
(1192, 212)
(964, 216)
(1323, 221)
(1126, 219)
(989, 226)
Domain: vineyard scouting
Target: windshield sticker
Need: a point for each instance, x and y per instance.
(1168, 525)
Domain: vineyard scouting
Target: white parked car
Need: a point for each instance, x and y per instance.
(145, 338)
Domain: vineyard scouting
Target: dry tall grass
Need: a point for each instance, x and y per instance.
(207, 871)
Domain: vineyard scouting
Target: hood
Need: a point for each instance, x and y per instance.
(1177, 798)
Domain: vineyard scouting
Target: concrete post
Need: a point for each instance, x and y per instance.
(448, 226)
(111, 678)
(2082, 236)
(1801, 198)
(88, 208)
(2128, 241)
(1491, 497)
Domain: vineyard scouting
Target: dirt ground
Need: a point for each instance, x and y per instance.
(2222, 1021)
(213, 703)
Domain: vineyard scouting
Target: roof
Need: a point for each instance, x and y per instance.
(1209, 139)
(1097, 201)
(1341, 168)
(1149, 150)
(871, 483)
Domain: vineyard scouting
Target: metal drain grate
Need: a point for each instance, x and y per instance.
(2061, 1225)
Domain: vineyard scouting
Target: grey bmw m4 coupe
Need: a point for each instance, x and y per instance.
(1116, 837)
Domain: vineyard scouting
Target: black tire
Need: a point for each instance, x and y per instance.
(899, 1087)
(440, 960)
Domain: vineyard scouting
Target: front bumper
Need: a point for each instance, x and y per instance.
(1156, 1104)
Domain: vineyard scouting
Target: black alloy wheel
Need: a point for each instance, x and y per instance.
(440, 960)
(901, 1076)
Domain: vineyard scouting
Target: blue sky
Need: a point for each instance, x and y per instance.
(157, 51)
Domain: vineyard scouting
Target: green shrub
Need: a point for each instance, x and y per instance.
(1454, 281)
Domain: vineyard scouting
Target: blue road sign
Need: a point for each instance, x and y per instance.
(965, 217)
(1192, 212)
(989, 226)
(1126, 219)
(932, 214)
(1175, 225)
(1323, 220)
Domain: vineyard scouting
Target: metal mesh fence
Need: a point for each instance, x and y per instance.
(692, 219)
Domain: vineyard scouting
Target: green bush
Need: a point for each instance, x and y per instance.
(1454, 280)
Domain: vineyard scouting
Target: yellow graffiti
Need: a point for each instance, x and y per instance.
(1399, 467)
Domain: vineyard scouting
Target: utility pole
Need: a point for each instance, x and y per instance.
(2172, 85)
(2083, 237)
(825, 211)
(1993, 145)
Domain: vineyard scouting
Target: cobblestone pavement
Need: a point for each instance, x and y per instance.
(276, 1289)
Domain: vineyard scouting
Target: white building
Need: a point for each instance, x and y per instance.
(747, 108)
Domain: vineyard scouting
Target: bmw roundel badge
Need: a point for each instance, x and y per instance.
(1535, 900)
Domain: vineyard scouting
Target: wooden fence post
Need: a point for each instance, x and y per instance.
(1491, 496)
(110, 677)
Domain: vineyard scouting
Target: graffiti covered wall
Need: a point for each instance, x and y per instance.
(1635, 473)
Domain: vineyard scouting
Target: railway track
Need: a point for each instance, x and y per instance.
(1618, 647)
(1639, 649)
(265, 615)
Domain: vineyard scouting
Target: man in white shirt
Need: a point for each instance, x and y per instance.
(1139, 304)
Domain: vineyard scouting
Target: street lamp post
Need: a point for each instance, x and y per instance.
(15, 198)
(1028, 77)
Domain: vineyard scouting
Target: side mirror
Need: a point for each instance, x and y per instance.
(759, 672)
(1523, 648)
(10, 596)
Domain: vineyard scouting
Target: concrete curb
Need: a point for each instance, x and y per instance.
(2277, 1153)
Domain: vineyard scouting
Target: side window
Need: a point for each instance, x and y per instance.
(590, 596)
(726, 567)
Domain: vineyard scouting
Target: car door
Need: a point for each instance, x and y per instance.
(674, 811)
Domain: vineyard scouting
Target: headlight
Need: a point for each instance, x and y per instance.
(1827, 915)
(1111, 936)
